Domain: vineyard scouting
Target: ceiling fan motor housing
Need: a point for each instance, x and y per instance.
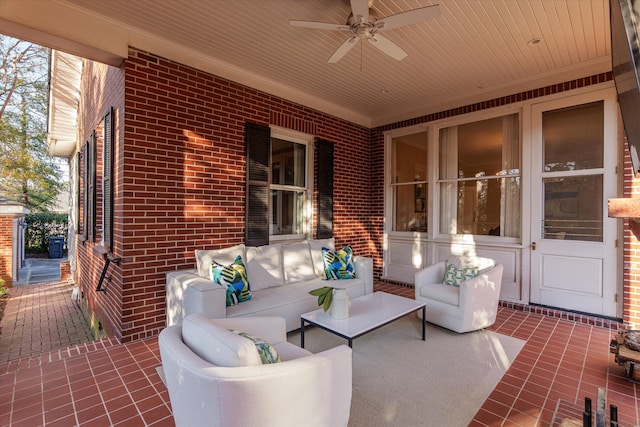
(373, 17)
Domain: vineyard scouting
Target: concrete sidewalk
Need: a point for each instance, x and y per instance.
(40, 316)
(39, 270)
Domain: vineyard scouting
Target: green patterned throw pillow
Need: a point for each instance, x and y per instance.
(267, 352)
(234, 278)
(455, 275)
(338, 264)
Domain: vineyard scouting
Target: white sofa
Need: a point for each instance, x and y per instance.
(468, 307)
(280, 278)
(216, 377)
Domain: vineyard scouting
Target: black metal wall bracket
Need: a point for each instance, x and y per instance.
(108, 261)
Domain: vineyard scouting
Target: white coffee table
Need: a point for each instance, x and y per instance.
(367, 313)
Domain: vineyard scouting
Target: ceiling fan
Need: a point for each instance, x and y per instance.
(363, 24)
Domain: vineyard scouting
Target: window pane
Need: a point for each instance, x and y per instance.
(287, 163)
(410, 173)
(411, 207)
(574, 138)
(484, 148)
(477, 207)
(573, 208)
(287, 209)
(487, 148)
(410, 155)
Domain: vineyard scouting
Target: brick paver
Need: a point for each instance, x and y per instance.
(41, 318)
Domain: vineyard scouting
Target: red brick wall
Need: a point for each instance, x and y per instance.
(631, 252)
(184, 175)
(102, 87)
(6, 250)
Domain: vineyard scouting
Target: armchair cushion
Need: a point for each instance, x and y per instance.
(266, 351)
(216, 344)
(441, 292)
(470, 261)
(454, 275)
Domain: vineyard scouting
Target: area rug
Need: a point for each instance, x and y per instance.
(400, 380)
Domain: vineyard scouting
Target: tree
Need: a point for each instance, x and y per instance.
(27, 173)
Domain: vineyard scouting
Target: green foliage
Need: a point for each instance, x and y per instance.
(3, 291)
(27, 173)
(41, 226)
(325, 296)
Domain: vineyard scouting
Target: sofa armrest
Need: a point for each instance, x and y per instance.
(269, 328)
(187, 292)
(429, 276)
(364, 270)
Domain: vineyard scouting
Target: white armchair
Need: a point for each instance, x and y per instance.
(472, 305)
(303, 389)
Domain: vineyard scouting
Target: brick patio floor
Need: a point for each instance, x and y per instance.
(41, 318)
(52, 374)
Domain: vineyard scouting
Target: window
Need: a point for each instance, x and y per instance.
(289, 192)
(279, 184)
(573, 174)
(479, 178)
(409, 154)
(88, 188)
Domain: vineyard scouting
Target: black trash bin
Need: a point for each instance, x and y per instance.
(56, 247)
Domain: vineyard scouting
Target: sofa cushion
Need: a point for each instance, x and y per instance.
(441, 292)
(296, 262)
(264, 266)
(234, 278)
(454, 275)
(204, 258)
(218, 345)
(338, 264)
(315, 246)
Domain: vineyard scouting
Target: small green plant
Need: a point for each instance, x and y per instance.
(3, 291)
(325, 296)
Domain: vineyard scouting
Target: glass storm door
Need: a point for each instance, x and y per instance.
(573, 242)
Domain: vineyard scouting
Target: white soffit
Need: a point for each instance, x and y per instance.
(63, 103)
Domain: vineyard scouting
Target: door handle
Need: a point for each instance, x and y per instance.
(533, 246)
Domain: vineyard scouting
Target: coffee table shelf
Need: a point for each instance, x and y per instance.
(367, 313)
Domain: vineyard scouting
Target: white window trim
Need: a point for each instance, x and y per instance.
(307, 140)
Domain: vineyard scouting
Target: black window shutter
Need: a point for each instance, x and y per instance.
(107, 181)
(92, 187)
(258, 144)
(79, 190)
(85, 191)
(324, 178)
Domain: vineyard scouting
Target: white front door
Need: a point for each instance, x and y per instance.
(573, 242)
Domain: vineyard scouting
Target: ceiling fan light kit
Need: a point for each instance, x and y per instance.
(363, 24)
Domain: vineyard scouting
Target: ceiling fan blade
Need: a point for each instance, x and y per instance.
(387, 46)
(360, 10)
(409, 17)
(319, 25)
(343, 49)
